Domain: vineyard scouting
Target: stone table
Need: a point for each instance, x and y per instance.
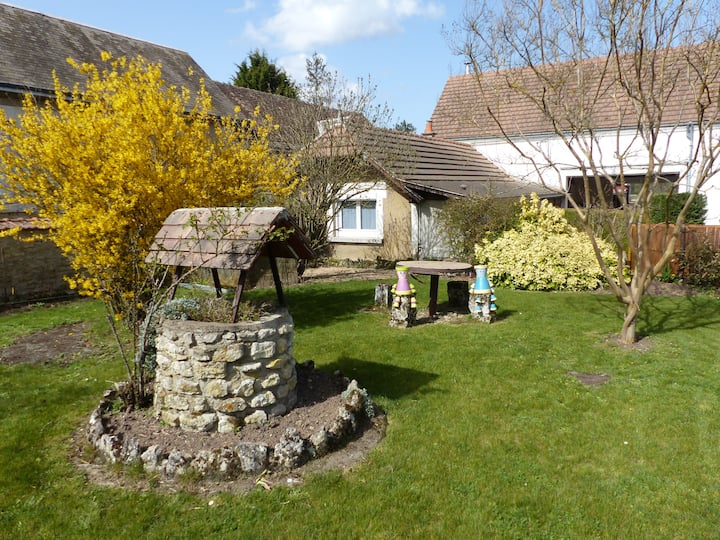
(435, 269)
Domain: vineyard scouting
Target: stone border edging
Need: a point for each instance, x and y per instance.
(226, 463)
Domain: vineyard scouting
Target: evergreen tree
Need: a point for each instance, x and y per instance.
(263, 75)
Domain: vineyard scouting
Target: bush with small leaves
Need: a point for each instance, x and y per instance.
(544, 253)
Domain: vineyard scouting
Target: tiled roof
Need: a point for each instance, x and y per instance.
(294, 117)
(462, 110)
(424, 165)
(33, 44)
(230, 238)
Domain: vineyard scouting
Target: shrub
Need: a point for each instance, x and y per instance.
(471, 220)
(544, 252)
(665, 207)
(211, 310)
(700, 266)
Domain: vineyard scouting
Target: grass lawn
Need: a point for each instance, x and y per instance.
(488, 435)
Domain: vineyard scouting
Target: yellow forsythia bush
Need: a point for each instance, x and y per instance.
(105, 162)
(544, 253)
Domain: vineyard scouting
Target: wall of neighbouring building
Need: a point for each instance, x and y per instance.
(31, 271)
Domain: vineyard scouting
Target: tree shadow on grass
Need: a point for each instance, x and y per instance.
(319, 304)
(661, 314)
(384, 380)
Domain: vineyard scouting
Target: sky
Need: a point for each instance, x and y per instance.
(401, 45)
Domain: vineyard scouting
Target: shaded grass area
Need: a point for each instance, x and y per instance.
(488, 435)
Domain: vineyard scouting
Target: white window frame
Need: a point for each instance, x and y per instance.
(360, 192)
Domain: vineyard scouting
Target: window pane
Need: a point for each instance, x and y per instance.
(367, 215)
(347, 215)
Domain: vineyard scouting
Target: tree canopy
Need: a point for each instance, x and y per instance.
(262, 74)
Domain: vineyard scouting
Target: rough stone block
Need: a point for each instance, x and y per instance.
(209, 338)
(288, 371)
(253, 457)
(199, 422)
(228, 352)
(186, 386)
(263, 400)
(262, 349)
(281, 345)
(382, 295)
(271, 380)
(227, 423)
(200, 355)
(183, 369)
(247, 335)
(266, 334)
(258, 417)
(170, 417)
(232, 406)
(278, 410)
(285, 329)
(179, 403)
(216, 388)
(242, 387)
(198, 404)
(187, 339)
(281, 391)
(277, 363)
(209, 370)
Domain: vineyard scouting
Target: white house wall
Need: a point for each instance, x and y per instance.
(673, 150)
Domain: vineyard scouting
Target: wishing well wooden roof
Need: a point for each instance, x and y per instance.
(231, 238)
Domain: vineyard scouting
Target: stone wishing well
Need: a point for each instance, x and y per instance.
(218, 377)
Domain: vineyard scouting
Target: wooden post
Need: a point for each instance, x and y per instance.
(176, 280)
(216, 282)
(434, 281)
(276, 277)
(238, 294)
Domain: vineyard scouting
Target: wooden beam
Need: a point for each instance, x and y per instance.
(238, 294)
(176, 280)
(276, 277)
(216, 282)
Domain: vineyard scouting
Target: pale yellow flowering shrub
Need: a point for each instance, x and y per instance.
(544, 253)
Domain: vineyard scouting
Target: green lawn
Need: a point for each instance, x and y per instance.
(488, 435)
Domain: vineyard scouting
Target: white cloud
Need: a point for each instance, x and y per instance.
(248, 5)
(306, 24)
(295, 66)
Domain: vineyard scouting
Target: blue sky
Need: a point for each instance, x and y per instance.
(399, 43)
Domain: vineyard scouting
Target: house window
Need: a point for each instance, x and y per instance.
(614, 194)
(358, 215)
(358, 218)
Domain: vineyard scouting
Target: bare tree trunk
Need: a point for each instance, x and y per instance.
(628, 333)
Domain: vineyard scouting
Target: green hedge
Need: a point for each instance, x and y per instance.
(665, 207)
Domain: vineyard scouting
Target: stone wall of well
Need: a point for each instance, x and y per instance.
(218, 377)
